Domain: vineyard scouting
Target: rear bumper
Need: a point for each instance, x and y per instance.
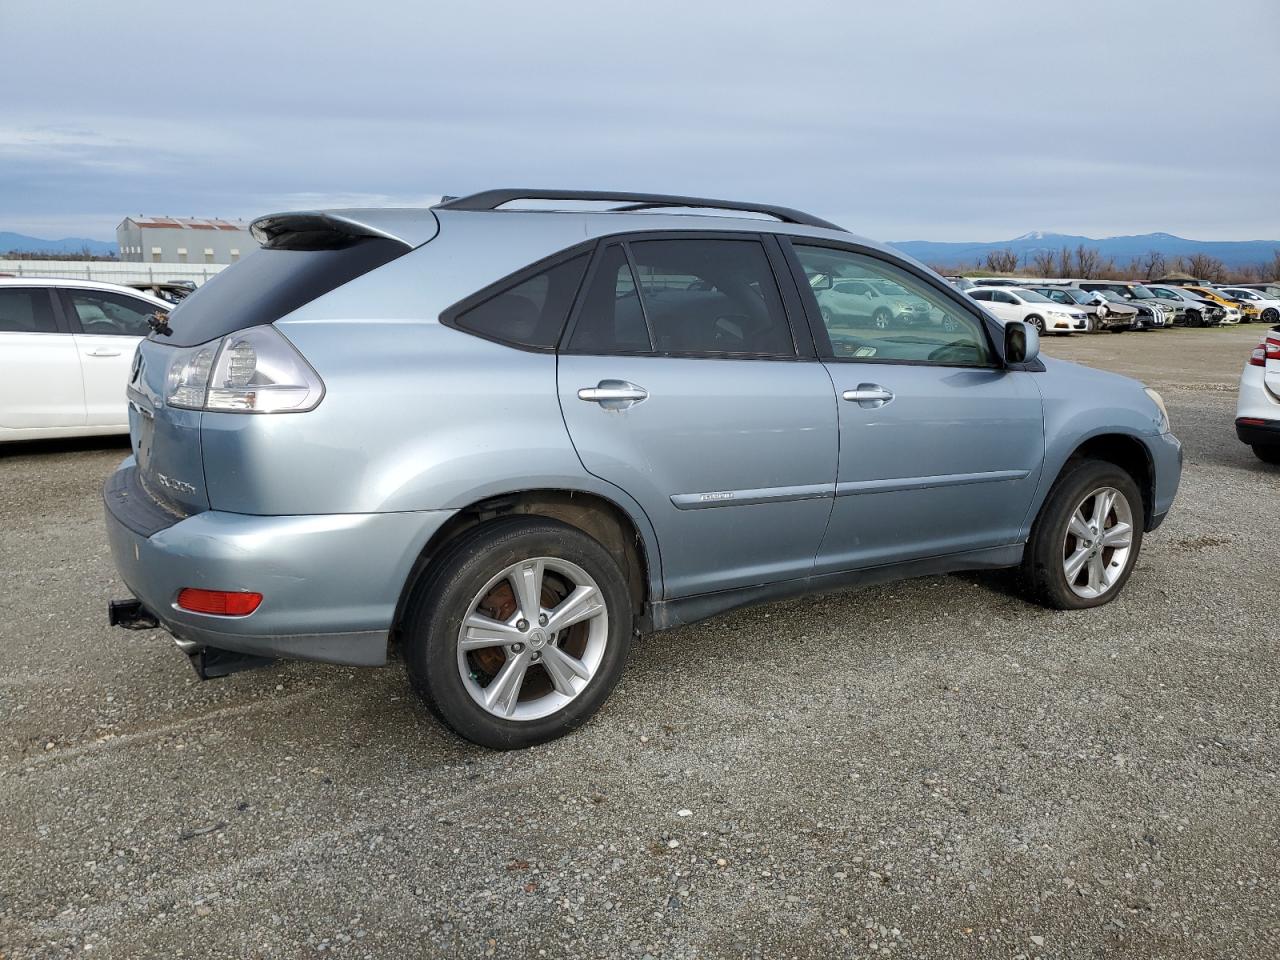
(1257, 432)
(330, 583)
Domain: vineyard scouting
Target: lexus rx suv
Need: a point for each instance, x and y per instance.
(503, 442)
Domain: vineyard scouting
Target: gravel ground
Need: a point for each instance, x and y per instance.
(928, 769)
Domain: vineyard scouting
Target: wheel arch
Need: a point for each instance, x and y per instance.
(619, 530)
(1126, 451)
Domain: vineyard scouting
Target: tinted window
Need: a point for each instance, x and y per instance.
(715, 297)
(267, 284)
(111, 313)
(531, 313)
(918, 325)
(25, 311)
(611, 320)
(999, 296)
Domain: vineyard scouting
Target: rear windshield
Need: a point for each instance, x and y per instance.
(268, 284)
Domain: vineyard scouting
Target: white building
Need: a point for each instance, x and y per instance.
(183, 240)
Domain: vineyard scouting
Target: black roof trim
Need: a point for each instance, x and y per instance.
(492, 199)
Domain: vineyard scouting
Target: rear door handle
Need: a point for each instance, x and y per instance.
(869, 395)
(103, 352)
(613, 394)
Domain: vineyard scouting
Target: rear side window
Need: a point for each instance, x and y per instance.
(25, 310)
(712, 297)
(531, 313)
(694, 297)
(113, 314)
(611, 320)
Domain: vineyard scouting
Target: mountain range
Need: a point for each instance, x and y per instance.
(1233, 253)
(72, 246)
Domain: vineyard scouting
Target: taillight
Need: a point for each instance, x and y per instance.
(254, 371)
(222, 603)
(1268, 349)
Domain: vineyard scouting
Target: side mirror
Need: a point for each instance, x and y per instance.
(1021, 342)
(820, 281)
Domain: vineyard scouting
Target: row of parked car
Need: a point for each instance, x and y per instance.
(1092, 306)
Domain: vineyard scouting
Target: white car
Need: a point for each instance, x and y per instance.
(1015, 303)
(1270, 306)
(66, 347)
(1258, 406)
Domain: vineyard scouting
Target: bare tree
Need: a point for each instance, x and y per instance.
(1274, 269)
(1153, 265)
(1043, 262)
(1064, 262)
(1205, 267)
(1088, 263)
(1002, 261)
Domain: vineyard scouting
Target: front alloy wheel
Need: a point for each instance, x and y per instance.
(1086, 538)
(1095, 550)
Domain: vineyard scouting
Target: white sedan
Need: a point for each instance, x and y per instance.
(66, 347)
(1015, 303)
(1258, 405)
(1269, 306)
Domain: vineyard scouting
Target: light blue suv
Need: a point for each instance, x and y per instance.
(507, 440)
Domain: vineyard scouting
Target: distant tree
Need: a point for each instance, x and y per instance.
(1088, 263)
(1042, 263)
(1204, 267)
(1153, 265)
(1274, 269)
(1002, 261)
(1249, 273)
(1064, 263)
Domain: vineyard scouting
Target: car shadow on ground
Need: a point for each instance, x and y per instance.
(31, 448)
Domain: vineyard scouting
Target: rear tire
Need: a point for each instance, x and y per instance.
(1054, 543)
(483, 578)
(1267, 454)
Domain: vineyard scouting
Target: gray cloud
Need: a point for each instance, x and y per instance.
(908, 120)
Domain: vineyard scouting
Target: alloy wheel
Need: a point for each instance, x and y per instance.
(1098, 542)
(533, 638)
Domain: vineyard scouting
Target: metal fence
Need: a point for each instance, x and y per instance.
(111, 271)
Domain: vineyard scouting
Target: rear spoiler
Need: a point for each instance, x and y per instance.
(335, 229)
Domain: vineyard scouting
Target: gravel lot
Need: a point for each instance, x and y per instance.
(927, 769)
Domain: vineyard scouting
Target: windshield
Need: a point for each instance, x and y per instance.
(1078, 296)
(1242, 294)
(1031, 296)
(1111, 295)
(1140, 292)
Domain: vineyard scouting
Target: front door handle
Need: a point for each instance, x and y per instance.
(869, 395)
(613, 394)
(103, 352)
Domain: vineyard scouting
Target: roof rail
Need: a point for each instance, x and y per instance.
(493, 199)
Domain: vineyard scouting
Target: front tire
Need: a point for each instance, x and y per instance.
(519, 632)
(1037, 322)
(882, 319)
(1086, 540)
(1271, 315)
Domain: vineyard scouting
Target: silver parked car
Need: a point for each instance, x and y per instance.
(506, 441)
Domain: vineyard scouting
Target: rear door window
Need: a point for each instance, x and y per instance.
(611, 319)
(26, 310)
(712, 298)
(113, 314)
(532, 312)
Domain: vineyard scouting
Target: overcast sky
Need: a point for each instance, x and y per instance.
(900, 120)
